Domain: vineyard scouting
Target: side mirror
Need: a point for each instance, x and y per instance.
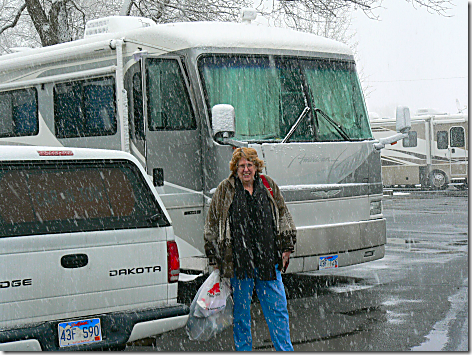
(403, 126)
(403, 119)
(223, 121)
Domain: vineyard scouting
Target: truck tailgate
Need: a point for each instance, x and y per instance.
(62, 276)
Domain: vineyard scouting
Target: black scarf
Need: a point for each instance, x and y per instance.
(253, 232)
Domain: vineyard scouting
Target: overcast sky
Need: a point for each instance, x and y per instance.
(413, 58)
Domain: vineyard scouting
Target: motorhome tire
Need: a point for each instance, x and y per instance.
(438, 180)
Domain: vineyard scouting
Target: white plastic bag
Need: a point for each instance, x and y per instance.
(203, 328)
(212, 295)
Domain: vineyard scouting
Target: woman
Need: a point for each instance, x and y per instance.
(249, 235)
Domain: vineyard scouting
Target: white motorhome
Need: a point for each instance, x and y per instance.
(434, 154)
(88, 259)
(157, 90)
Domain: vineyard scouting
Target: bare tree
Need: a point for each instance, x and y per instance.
(298, 15)
(165, 11)
(331, 18)
(48, 22)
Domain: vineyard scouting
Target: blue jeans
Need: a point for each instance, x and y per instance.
(271, 295)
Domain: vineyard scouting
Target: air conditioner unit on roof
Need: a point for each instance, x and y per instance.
(113, 24)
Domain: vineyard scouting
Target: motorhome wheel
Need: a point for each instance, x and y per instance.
(438, 180)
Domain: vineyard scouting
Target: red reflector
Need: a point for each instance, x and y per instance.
(393, 143)
(173, 263)
(54, 153)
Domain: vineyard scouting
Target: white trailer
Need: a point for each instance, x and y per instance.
(151, 89)
(434, 154)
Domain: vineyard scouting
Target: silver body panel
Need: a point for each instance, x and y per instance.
(59, 293)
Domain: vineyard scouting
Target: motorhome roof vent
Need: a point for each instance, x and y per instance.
(112, 24)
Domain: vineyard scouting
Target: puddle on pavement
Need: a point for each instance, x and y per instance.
(394, 301)
(362, 311)
(350, 288)
(396, 318)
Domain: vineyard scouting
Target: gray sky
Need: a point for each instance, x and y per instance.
(413, 58)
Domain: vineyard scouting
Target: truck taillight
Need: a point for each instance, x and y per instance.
(173, 263)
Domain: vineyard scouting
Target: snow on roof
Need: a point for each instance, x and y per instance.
(429, 111)
(177, 36)
(227, 34)
(437, 119)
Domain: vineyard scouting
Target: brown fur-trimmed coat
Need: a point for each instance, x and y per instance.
(218, 245)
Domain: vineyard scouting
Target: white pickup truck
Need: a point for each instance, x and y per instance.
(88, 259)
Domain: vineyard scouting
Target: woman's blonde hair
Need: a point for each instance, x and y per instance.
(248, 153)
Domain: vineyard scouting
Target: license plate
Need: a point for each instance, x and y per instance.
(328, 262)
(80, 332)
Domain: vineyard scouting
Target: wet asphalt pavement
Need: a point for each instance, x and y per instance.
(415, 298)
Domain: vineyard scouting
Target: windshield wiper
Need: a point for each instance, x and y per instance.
(337, 126)
(296, 124)
(158, 217)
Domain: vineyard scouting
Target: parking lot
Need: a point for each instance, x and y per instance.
(415, 298)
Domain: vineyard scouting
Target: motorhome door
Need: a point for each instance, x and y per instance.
(163, 127)
(165, 135)
(173, 145)
(457, 150)
(172, 136)
(451, 146)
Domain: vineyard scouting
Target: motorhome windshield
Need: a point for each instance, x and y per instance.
(270, 92)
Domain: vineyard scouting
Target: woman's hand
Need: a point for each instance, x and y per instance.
(285, 257)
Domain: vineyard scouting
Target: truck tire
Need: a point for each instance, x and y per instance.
(438, 180)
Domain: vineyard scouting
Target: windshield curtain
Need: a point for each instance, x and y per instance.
(335, 89)
(252, 87)
(269, 93)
